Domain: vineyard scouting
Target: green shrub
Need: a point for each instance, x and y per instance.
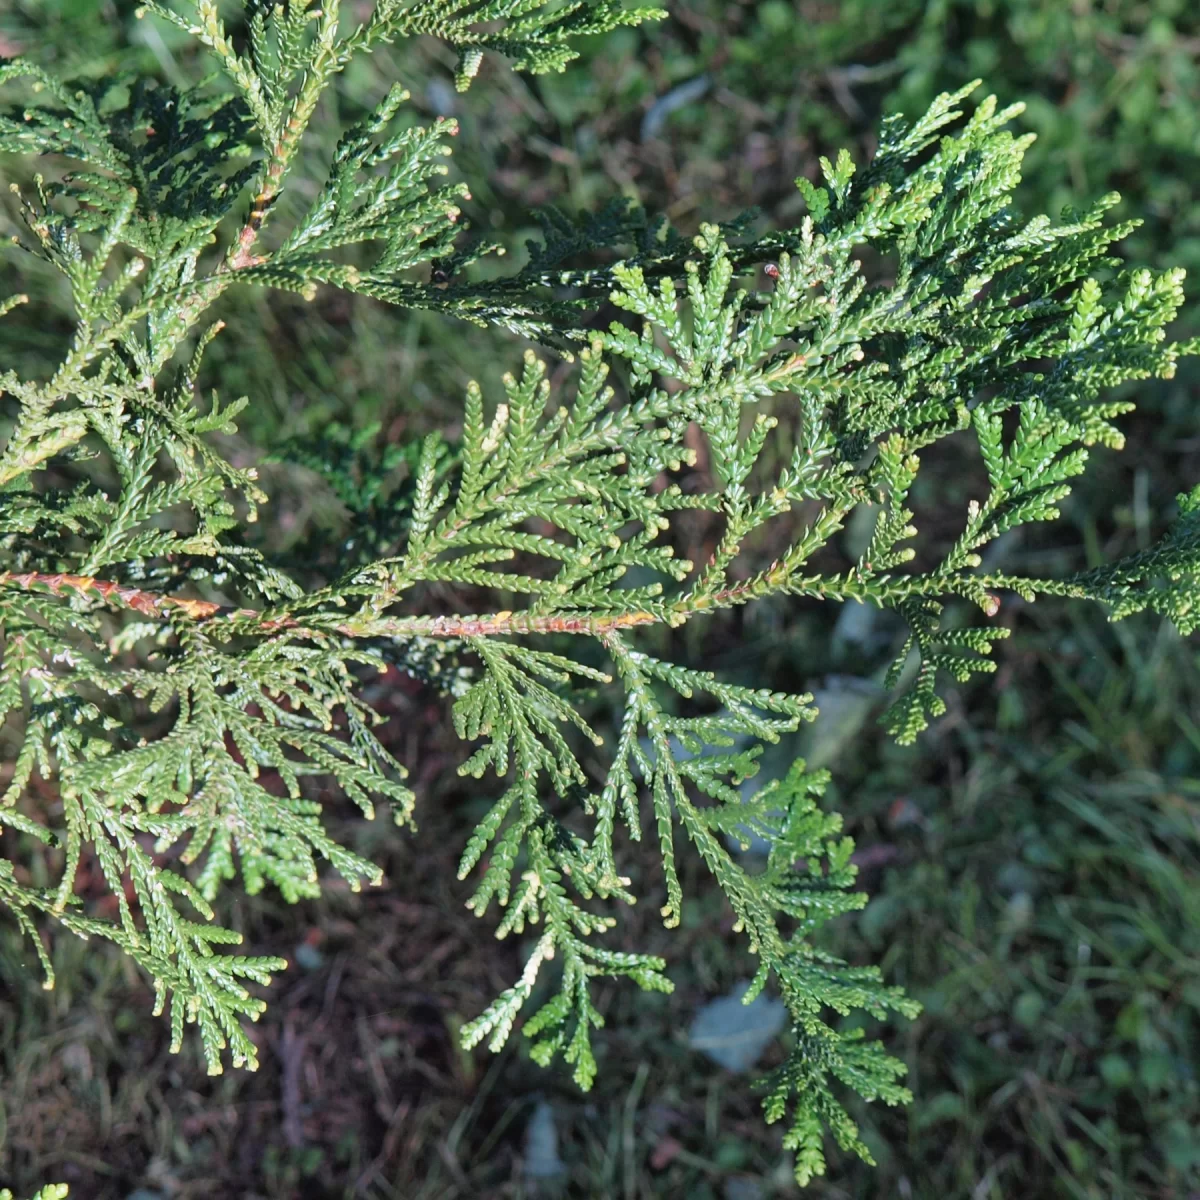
(183, 687)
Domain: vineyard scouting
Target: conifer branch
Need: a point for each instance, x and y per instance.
(174, 722)
(151, 604)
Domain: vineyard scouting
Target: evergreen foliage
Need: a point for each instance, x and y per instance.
(182, 690)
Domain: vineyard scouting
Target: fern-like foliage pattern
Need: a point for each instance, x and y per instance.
(170, 690)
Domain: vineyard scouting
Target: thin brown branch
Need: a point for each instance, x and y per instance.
(153, 604)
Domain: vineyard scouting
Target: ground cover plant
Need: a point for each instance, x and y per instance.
(980, 315)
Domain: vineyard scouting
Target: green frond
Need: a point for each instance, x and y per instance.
(182, 688)
(1164, 579)
(536, 35)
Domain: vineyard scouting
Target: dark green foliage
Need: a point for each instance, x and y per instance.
(912, 304)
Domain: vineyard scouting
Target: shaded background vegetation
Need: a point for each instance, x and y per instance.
(1033, 861)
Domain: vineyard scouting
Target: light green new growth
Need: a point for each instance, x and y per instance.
(179, 690)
